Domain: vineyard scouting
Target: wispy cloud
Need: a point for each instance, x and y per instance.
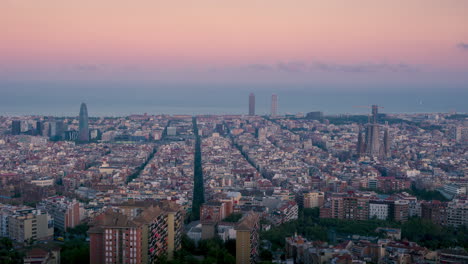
(463, 46)
(320, 66)
(363, 67)
(294, 66)
(259, 67)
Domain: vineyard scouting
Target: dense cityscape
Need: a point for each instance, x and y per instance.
(303, 188)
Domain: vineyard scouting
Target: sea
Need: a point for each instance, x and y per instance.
(121, 99)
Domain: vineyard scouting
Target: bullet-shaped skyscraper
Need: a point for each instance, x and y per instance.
(274, 105)
(84, 126)
(252, 104)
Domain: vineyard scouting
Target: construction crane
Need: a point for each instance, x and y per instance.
(375, 110)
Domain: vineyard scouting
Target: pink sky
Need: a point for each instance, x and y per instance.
(49, 37)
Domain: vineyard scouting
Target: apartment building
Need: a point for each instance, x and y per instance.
(116, 237)
(29, 225)
(313, 199)
(65, 212)
(247, 239)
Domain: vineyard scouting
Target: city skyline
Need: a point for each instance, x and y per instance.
(233, 132)
(295, 102)
(146, 183)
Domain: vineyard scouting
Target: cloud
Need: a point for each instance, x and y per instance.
(363, 67)
(259, 67)
(295, 66)
(463, 46)
(320, 66)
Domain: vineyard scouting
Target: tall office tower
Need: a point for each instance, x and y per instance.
(247, 239)
(274, 105)
(56, 129)
(52, 129)
(456, 133)
(60, 129)
(372, 134)
(39, 127)
(386, 143)
(252, 104)
(84, 126)
(16, 127)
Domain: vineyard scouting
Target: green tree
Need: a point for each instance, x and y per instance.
(75, 252)
(8, 255)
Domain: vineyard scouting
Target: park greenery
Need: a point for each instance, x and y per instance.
(8, 255)
(312, 227)
(141, 167)
(427, 195)
(75, 249)
(207, 251)
(233, 218)
(421, 231)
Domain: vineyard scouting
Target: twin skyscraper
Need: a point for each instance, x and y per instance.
(274, 104)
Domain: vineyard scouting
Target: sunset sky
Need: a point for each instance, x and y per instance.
(407, 41)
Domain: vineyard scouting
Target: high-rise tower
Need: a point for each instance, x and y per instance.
(16, 127)
(84, 126)
(372, 134)
(252, 104)
(274, 105)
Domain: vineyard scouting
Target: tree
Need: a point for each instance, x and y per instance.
(421, 231)
(266, 255)
(8, 255)
(75, 252)
(233, 218)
